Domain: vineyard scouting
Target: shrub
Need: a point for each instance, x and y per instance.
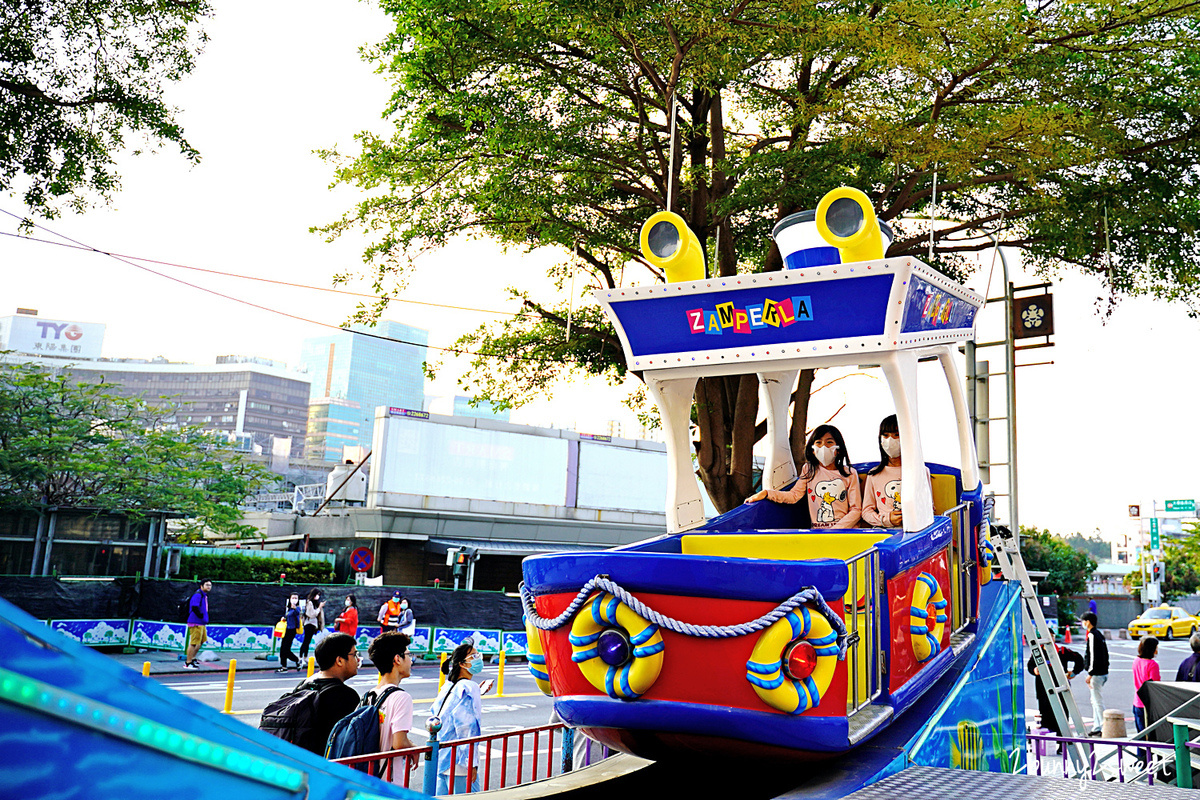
(251, 569)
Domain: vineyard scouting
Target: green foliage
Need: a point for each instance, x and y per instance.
(1068, 568)
(252, 569)
(1067, 128)
(79, 445)
(77, 79)
(1181, 566)
(1094, 546)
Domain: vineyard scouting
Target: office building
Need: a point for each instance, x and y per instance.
(333, 425)
(383, 368)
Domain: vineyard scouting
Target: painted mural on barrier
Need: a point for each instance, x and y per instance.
(981, 726)
(446, 639)
(94, 632)
(158, 635)
(515, 644)
(421, 639)
(240, 637)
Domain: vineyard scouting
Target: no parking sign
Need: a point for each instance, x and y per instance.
(361, 559)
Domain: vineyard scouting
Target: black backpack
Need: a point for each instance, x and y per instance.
(185, 607)
(293, 716)
(357, 733)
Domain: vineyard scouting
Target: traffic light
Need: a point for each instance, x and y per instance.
(1156, 571)
(460, 561)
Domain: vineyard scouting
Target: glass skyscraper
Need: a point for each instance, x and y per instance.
(366, 371)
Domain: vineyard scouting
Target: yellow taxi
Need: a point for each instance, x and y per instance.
(1165, 622)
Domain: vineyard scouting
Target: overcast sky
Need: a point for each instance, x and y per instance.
(1106, 425)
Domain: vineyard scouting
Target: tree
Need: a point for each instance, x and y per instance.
(1069, 568)
(1094, 546)
(1064, 129)
(76, 80)
(69, 444)
(1181, 566)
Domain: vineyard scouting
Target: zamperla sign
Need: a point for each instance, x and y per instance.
(53, 337)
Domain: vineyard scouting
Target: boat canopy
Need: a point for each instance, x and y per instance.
(889, 312)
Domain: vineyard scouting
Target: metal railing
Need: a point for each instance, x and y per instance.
(962, 558)
(524, 756)
(863, 652)
(1144, 758)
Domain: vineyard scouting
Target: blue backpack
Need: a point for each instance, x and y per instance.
(357, 733)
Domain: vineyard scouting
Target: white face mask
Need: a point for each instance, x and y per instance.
(890, 446)
(825, 455)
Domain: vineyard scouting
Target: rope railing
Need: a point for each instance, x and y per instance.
(809, 595)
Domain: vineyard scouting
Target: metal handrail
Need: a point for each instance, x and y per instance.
(960, 579)
(1164, 757)
(856, 638)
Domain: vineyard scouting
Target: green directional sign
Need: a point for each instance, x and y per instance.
(1181, 505)
(1154, 538)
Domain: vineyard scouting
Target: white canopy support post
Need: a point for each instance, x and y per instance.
(916, 496)
(966, 437)
(685, 509)
(777, 387)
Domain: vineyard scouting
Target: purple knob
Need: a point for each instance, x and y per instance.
(614, 647)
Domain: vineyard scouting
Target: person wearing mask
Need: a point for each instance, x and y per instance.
(292, 626)
(197, 624)
(382, 618)
(1145, 668)
(314, 620)
(391, 611)
(389, 653)
(881, 506)
(407, 623)
(1096, 659)
(826, 479)
(1189, 670)
(1072, 663)
(347, 621)
(460, 707)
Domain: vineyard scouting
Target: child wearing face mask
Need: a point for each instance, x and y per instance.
(881, 493)
(826, 479)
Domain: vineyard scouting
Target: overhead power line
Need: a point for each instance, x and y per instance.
(329, 289)
(259, 306)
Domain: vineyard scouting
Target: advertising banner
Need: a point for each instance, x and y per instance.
(55, 337)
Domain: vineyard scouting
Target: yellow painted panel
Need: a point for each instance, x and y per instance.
(783, 546)
(945, 493)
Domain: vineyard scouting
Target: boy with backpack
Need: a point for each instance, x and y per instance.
(384, 717)
(306, 715)
(197, 624)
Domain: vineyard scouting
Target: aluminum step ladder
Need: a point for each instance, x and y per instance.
(1054, 679)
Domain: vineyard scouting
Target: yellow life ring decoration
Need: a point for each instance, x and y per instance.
(536, 657)
(987, 560)
(793, 661)
(926, 640)
(618, 651)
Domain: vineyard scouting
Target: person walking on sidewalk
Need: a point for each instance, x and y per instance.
(314, 620)
(1145, 668)
(197, 624)
(1095, 659)
(389, 653)
(347, 621)
(291, 621)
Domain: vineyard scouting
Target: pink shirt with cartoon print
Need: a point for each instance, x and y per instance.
(881, 493)
(834, 500)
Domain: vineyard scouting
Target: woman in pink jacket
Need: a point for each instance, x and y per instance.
(1145, 668)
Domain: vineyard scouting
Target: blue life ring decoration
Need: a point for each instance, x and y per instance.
(536, 657)
(617, 650)
(987, 560)
(926, 638)
(793, 661)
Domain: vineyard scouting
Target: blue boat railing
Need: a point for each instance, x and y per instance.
(864, 647)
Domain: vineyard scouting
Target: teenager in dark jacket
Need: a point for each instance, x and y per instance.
(1189, 670)
(1072, 663)
(1096, 663)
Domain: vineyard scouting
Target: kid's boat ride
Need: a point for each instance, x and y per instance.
(756, 632)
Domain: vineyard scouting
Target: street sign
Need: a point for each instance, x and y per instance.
(1135, 511)
(1154, 537)
(361, 559)
(1033, 316)
(1180, 505)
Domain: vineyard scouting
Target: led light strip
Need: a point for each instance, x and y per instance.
(79, 710)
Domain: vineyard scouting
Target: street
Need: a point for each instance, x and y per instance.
(1118, 692)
